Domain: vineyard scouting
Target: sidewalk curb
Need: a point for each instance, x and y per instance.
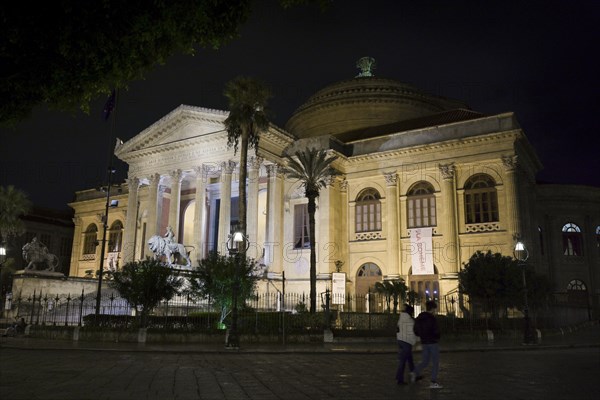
(288, 350)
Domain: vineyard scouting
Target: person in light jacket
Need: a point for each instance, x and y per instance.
(406, 339)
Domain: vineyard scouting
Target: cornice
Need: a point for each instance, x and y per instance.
(440, 146)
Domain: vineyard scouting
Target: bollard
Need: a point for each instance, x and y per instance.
(142, 332)
(490, 335)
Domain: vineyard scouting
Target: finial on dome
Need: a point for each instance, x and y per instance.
(366, 66)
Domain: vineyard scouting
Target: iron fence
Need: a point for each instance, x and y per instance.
(275, 313)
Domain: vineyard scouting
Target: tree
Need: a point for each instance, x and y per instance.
(216, 276)
(13, 204)
(493, 279)
(144, 284)
(312, 168)
(67, 54)
(246, 121)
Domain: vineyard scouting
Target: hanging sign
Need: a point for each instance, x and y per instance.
(338, 288)
(422, 251)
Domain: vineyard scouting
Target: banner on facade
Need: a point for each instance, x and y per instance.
(338, 288)
(421, 248)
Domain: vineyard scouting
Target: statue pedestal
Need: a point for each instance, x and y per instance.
(26, 283)
(34, 273)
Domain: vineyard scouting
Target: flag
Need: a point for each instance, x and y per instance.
(109, 105)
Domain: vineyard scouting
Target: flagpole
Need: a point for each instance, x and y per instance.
(108, 110)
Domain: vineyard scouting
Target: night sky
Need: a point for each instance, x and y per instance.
(537, 59)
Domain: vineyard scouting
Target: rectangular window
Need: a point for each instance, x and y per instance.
(114, 241)
(421, 212)
(89, 244)
(368, 217)
(301, 227)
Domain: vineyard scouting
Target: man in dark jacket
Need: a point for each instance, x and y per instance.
(426, 327)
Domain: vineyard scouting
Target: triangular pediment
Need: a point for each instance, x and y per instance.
(185, 123)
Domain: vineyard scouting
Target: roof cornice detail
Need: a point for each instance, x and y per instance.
(440, 146)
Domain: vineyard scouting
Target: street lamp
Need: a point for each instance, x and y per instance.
(2, 253)
(521, 255)
(237, 244)
(2, 260)
(109, 173)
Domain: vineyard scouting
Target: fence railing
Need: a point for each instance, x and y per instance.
(274, 313)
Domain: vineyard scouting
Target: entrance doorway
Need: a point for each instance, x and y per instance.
(367, 275)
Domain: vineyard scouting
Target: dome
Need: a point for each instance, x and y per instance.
(362, 102)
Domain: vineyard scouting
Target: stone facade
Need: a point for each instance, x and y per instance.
(418, 161)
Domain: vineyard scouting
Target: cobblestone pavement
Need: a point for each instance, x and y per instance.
(32, 370)
(559, 373)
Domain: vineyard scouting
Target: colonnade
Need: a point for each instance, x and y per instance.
(151, 204)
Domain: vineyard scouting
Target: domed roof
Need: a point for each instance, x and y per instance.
(362, 102)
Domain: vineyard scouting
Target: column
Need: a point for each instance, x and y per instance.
(274, 234)
(175, 203)
(255, 251)
(393, 223)
(77, 248)
(128, 250)
(324, 220)
(152, 226)
(200, 212)
(343, 228)
(450, 254)
(227, 169)
(513, 222)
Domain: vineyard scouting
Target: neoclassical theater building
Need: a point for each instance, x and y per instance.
(425, 182)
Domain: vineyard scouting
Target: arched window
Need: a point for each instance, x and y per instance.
(421, 205)
(90, 239)
(368, 270)
(115, 237)
(571, 235)
(576, 284)
(577, 293)
(541, 237)
(481, 200)
(368, 211)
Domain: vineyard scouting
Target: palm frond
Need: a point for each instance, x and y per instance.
(312, 168)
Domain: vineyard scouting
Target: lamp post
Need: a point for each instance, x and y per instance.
(109, 107)
(109, 174)
(2, 253)
(521, 255)
(237, 244)
(2, 260)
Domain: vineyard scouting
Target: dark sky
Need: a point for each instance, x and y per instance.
(535, 58)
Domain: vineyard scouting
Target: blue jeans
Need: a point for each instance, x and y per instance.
(404, 355)
(430, 351)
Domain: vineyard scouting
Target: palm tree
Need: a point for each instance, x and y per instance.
(246, 121)
(13, 204)
(392, 289)
(313, 169)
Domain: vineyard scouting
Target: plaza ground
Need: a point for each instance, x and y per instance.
(564, 367)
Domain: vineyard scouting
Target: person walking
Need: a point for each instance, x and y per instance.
(426, 327)
(406, 339)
